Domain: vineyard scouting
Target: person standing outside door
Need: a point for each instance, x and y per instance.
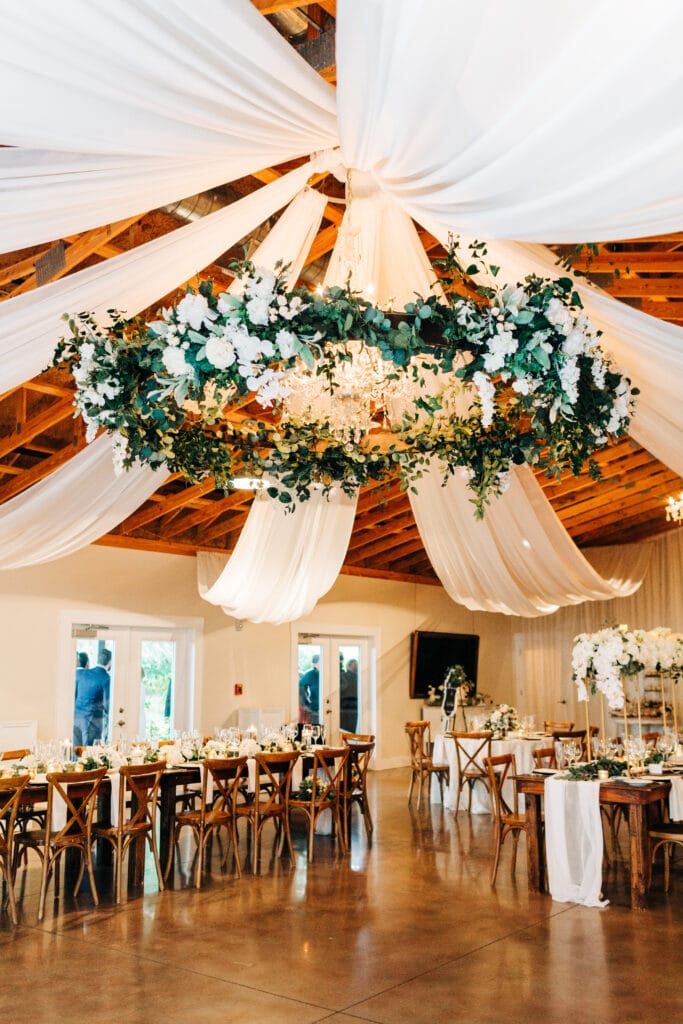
(309, 693)
(91, 704)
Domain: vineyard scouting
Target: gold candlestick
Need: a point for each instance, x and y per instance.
(602, 715)
(661, 680)
(640, 720)
(588, 728)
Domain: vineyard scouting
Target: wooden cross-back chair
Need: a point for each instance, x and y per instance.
(422, 766)
(549, 726)
(79, 794)
(326, 793)
(544, 757)
(356, 737)
(577, 735)
(356, 785)
(471, 768)
(14, 755)
(136, 817)
(10, 797)
(271, 800)
(501, 769)
(217, 810)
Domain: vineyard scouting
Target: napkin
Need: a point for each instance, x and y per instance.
(574, 841)
(115, 781)
(676, 798)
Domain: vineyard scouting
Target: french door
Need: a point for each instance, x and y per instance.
(149, 682)
(334, 683)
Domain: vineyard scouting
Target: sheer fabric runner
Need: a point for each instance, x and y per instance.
(574, 841)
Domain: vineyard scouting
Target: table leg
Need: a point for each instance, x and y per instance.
(535, 851)
(167, 827)
(640, 853)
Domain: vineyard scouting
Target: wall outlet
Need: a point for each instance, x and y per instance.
(239, 689)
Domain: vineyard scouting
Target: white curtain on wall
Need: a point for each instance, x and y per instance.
(544, 646)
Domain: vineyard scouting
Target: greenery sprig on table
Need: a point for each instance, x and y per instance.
(585, 772)
(517, 376)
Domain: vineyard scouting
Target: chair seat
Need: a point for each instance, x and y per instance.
(211, 817)
(138, 829)
(667, 830)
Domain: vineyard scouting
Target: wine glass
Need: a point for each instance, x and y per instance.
(666, 745)
(306, 734)
(572, 752)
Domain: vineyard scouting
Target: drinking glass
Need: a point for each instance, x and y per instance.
(306, 735)
(572, 752)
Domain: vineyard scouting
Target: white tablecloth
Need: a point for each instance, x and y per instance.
(574, 841)
(444, 753)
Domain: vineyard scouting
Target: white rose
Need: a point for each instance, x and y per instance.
(287, 343)
(87, 351)
(220, 353)
(257, 310)
(174, 361)
(557, 313)
(262, 285)
(194, 310)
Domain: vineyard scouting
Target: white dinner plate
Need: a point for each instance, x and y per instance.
(545, 771)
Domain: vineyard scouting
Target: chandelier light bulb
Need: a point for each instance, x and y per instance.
(674, 509)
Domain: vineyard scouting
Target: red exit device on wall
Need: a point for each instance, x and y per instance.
(238, 689)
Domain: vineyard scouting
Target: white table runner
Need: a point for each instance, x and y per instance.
(574, 841)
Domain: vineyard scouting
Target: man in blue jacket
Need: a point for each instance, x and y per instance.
(91, 705)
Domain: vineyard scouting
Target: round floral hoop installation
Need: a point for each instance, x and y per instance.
(496, 377)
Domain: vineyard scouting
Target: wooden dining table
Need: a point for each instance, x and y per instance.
(636, 799)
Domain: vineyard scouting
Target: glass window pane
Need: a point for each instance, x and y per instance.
(349, 666)
(310, 665)
(157, 688)
(92, 691)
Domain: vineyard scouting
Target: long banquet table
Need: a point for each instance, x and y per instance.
(636, 798)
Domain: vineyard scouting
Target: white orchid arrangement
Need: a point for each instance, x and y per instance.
(601, 659)
(503, 719)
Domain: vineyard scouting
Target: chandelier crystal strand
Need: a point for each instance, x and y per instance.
(674, 509)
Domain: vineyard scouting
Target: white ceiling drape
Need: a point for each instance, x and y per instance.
(284, 560)
(517, 120)
(31, 324)
(453, 124)
(80, 502)
(518, 560)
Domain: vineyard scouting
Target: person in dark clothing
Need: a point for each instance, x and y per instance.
(348, 684)
(91, 704)
(309, 693)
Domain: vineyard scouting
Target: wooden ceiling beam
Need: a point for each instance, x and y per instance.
(650, 262)
(207, 513)
(41, 470)
(636, 287)
(157, 509)
(80, 250)
(19, 270)
(25, 432)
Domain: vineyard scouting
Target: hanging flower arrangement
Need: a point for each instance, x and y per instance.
(501, 377)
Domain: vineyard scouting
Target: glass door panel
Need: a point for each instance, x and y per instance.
(157, 688)
(333, 683)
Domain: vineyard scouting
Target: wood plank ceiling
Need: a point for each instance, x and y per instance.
(38, 432)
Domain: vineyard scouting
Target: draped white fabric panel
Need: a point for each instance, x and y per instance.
(160, 78)
(517, 120)
(379, 246)
(31, 325)
(80, 502)
(283, 561)
(519, 560)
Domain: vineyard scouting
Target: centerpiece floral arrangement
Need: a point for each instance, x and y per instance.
(600, 659)
(503, 719)
(498, 377)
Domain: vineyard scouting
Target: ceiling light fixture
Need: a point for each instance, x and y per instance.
(674, 509)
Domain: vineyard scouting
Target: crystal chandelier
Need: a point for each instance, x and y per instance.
(674, 509)
(365, 393)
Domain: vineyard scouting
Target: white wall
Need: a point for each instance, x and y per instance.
(102, 581)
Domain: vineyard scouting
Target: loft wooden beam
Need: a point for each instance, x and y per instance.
(634, 287)
(58, 411)
(324, 243)
(273, 6)
(80, 250)
(207, 512)
(650, 262)
(41, 469)
(167, 504)
(385, 574)
(18, 271)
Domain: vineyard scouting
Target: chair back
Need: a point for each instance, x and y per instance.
(327, 775)
(499, 769)
(10, 797)
(274, 781)
(355, 780)
(549, 726)
(356, 737)
(141, 782)
(420, 740)
(577, 735)
(651, 738)
(471, 757)
(226, 774)
(544, 757)
(79, 793)
(14, 755)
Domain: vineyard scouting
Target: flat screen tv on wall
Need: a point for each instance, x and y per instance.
(432, 654)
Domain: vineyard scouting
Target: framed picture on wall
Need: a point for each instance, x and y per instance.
(432, 654)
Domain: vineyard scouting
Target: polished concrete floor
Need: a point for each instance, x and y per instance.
(405, 930)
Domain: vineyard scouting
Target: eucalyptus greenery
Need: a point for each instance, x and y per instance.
(500, 376)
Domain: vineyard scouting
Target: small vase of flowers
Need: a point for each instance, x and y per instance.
(501, 721)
